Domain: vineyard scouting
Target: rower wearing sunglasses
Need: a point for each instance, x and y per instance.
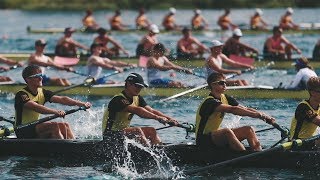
(210, 115)
(29, 104)
(117, 116)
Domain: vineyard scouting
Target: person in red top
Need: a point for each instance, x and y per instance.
(277, 47)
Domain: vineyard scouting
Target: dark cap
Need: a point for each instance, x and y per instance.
(313, 84)
(102, 31)
(136, 79)
(277, 29)
(69, 30)
(301, 62)
(214, 77)
(30, 70)
(40, 42)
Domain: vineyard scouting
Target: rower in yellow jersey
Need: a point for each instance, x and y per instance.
(210, 115)
(29, 104)
(307, 115)
(198, 22)
(142, 22)
(256, 21)
(118, 115)
(89, 22)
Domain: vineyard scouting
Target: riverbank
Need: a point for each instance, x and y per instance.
(151, 4)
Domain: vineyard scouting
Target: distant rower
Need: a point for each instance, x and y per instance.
(116, 22)
(256, 21)
(142, 22)
(89, 22)
(225, 22)
(146, 44)
(286, 21)
(169, 23)
(198, 22)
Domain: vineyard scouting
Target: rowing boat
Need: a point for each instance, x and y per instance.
(80, 152)
(245, 31)
(281, 64)
(263, 92)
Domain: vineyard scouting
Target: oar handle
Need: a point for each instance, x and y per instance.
(10, 68)
(50, 118)
(188, 127)
(284, 133)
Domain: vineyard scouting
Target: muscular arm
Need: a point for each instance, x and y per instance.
(39, 108)
(234, 63)
(142, 112)
(216, 68)
(115, 43)
(68, 101)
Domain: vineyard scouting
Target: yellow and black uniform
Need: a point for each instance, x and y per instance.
(208, 119)
(114, 118)
(25, 115)
(301, 125)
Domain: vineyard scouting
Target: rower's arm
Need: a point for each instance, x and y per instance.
(234, 63)
(39, 108)
(115, 43)
(248, 47)
(222, 70)
(76, 43)
(8, 61)
(69, 101)
(286, 41)
(33, 60)
(142, 112)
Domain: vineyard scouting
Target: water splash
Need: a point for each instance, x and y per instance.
(161, 167)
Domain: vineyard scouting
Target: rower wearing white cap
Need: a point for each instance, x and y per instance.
(169, 22)
(198, 22)
(215, 60)
(256, 21)
(146, 44)
(286, 22)
(233, 46)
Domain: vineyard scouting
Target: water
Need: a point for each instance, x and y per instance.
(88, 124)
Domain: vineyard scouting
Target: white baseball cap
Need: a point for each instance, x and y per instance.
(172, 10)
(237, 32)
(259, 11)
(216, 43)
(154, 28)
(197, 11)
(290, 10)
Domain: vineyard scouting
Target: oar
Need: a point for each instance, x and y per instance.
(10, 68)
(114, 73)
(87, 82)
(50, 118)
(284, 146)
(6, 131)
(193, 73)
(199, 87)
(78, 72)
(188, 127)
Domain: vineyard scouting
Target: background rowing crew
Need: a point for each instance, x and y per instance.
(29, 104)
(198, 22)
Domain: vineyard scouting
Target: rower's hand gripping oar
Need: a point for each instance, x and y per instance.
(10, 68)
(45, 119)
(284, 146)
(200, 87)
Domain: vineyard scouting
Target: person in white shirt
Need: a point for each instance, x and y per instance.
(305, 72)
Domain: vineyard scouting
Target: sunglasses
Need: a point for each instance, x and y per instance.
(39, 75)
(221, 83)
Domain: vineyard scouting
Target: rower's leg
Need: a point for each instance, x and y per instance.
(65, 82)
(137, 134)
(288, 50)
(226, 137)
(175, 84)
(152, 135)
(4, 79)
(49, 130)
(247, 132)
(56, 81)
(66, 130)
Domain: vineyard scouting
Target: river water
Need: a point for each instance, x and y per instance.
(88, 124)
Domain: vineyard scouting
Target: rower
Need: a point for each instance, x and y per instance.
(95, 64)
(142, 22)
(104, 39)
(215, 60)
(157, 63)
(225, 22)
(286, 21)
(304, 73)
(5, 68)
(122, 107)
(168, 22)
(89, 22)
(116, 22)
(189, 47)
(67, 46)
(29, 104)
(233, 46)
(256, 21)
(277, 47)
(146, 44)
(210, 115)
(38, 58)
(316, 51)
(307, 115)
(198, 22)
